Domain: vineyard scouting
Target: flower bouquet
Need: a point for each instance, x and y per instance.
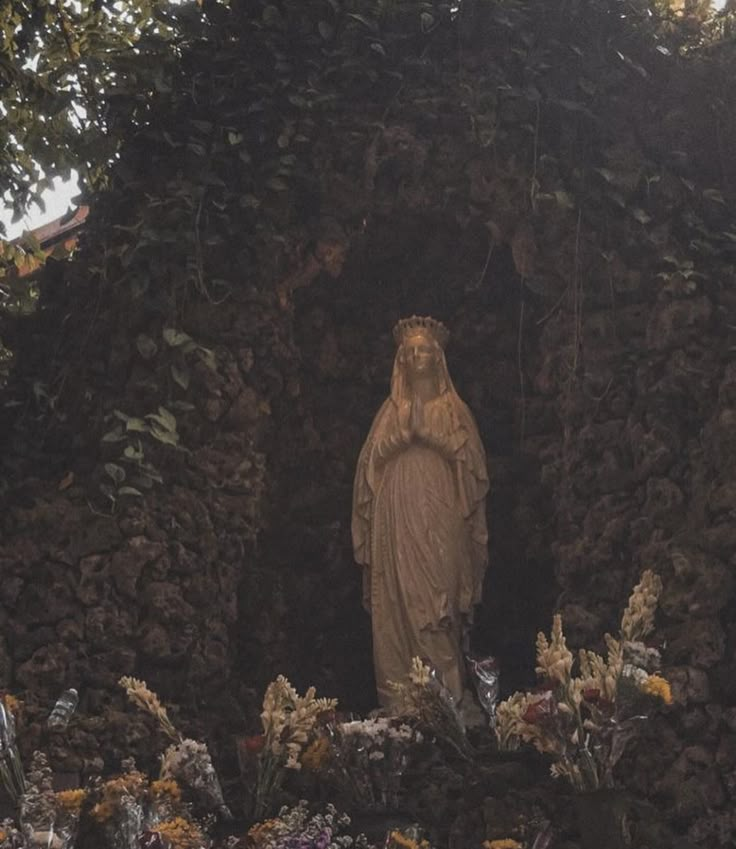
(11, 768)
(289, 726)
(186, 762)
(425, 700)
(369, 757)
(119, 809)
(585, 721)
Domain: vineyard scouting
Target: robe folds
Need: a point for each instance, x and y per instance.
(419, 532)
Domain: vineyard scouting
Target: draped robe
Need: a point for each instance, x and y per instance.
(419, 531)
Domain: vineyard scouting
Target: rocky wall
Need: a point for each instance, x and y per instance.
(94, 587)
(642, 476)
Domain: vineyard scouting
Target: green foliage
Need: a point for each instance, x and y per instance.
(75, 75)
(220, 144)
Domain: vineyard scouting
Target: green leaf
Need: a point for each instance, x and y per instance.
(166, 436)
(174, 337)
(136, 425)
(565, 199)
(641, 216)
(133, 452)
(114, 435)
(365, 21)
(208, 357)
(117, 473)
(714, 194)
(147, 348)
(180, 375)
(607, 175)
(163, 418)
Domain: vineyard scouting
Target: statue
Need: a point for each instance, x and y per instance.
(419, 523)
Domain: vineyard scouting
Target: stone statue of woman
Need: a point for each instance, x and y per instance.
(419, 523)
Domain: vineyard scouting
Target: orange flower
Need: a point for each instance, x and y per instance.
(659, 687)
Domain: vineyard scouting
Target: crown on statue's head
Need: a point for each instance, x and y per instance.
(421, 324)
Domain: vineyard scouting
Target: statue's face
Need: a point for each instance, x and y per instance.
(420, 356)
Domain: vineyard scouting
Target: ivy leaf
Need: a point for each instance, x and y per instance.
(166, 436)
(175, 338)
(117, 473)
(114, 435)
(180, 375)
(641, 216)
(147, 348)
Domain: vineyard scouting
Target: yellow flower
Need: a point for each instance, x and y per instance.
(506, 843)
(12, 703)
(258, 834)
(3, 835)
(166, 787)
(181, 833)
(399, 841)
(103, 811)
(316, 754)
(657, 686)
(130, 784)
(70, 801)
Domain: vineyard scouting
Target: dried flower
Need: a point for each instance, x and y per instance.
(12, 703)
(189, 764)
(130, 785)
(638, 618)
(147, 700)
(506, 843)
(657, 686)
(181, 833)
(420, 673)
(288, 719)
(288, 722)
(425, 699)
(397, 840)
(586, 720)
(316, 754)
(554, 659)
(70, 801)
(166, 787)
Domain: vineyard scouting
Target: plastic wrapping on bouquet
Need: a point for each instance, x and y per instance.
(486, 673)
(63, 710)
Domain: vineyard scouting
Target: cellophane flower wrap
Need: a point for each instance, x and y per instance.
(188, 763)
(119, 809)
(369, 757)
(585, 721)
(11, 767)
(426, 701)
